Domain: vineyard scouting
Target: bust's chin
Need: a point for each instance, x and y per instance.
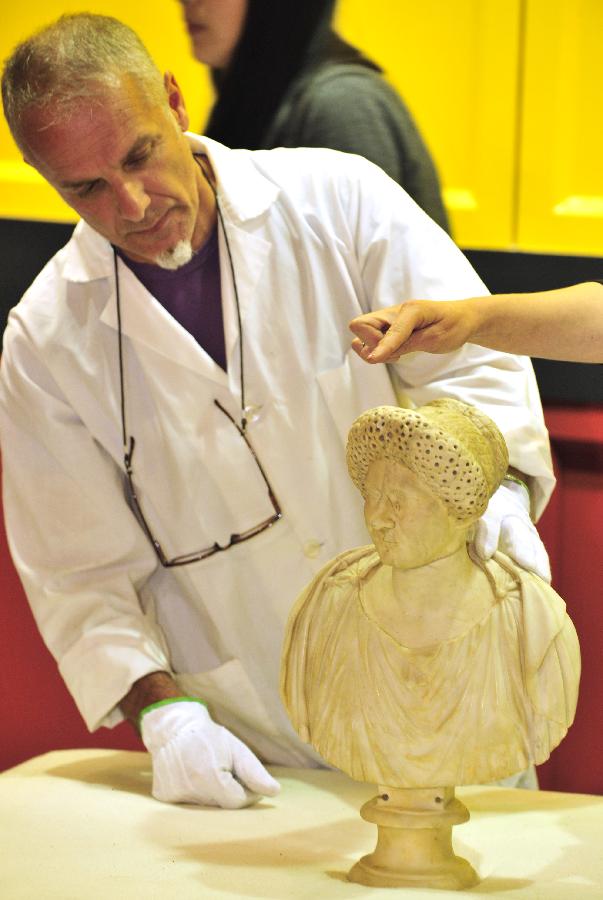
(398, 558)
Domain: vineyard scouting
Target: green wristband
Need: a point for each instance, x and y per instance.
(165, 703)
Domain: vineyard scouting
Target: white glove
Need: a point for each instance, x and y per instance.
(197, 761)
(506, 526)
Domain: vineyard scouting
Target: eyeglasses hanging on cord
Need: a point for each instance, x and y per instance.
(129, 442)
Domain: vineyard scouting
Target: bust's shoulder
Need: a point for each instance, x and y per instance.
(351, 566)
(336, 582)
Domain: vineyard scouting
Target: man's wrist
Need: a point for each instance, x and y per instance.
(159, 703)
(517, 480)
(145, 691)
(517, 486)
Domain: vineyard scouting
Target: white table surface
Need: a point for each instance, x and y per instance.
(81, 825)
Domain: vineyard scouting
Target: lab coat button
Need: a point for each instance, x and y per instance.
(312, 549)
(252, 412)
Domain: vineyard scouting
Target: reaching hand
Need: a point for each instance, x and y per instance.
(432, 326)
(506, 526)
(197, 761)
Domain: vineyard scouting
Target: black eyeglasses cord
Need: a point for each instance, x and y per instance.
(128, 449)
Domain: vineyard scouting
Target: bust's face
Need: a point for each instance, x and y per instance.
(410, 526)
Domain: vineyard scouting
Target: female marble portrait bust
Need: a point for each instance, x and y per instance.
(410, 663)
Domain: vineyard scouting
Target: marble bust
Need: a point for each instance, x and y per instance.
(409, 663)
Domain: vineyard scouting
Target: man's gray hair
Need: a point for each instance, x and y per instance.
(76, 57)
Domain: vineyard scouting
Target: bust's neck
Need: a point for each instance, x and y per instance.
(431, 603)
(435, 583)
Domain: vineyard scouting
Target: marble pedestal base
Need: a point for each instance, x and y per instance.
(414, 842)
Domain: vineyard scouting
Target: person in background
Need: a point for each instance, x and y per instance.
(284, 78)
(563, 324)
(176, 389)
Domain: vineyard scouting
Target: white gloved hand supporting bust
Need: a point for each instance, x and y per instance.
(506, 526)
(197, 761)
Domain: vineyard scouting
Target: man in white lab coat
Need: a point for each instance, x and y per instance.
(177, 385)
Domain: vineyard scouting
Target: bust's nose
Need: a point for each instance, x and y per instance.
(380, 515)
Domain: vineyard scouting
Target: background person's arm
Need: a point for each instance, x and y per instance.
(562, 324)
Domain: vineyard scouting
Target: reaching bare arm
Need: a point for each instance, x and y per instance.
(562, 324)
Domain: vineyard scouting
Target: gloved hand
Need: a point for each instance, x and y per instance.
(506, 526)
(197, 761)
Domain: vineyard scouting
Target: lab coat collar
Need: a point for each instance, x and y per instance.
(244, 194)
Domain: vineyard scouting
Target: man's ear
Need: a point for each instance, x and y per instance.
(176, 100)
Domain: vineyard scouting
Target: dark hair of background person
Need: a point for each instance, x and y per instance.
(293, 82)
(279, 39)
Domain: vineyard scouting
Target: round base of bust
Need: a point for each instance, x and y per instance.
(414, 843)
(457, 875)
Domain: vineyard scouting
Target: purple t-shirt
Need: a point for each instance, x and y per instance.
(191, 294)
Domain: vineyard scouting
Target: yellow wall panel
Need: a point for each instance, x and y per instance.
(561, 172)
(23, 194)
(455, 62)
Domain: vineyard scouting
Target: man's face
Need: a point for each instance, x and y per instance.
(124, 165)
(410, 526)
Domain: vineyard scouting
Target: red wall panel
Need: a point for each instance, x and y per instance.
(37, 713)
(572, 529)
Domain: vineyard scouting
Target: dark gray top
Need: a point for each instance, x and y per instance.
(352, 108)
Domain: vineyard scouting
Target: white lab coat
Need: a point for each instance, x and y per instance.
(317, 237)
